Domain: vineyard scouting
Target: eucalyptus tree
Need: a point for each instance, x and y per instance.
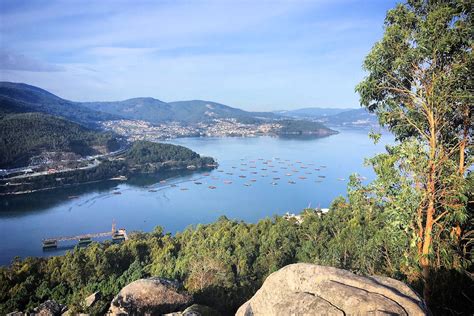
(419, 83)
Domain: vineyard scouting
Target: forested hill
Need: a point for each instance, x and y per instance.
(25, 135)
(156, 111)
(21, 98)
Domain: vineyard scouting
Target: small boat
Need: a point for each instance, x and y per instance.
(289, 174)
(117, 192)
(275, 171)
(243, 169)
(254, 172)
(212, 187)
(173, 185)
(317, 169)
(163, 181)
(291, 182)
(253, 167)
(302, 178)
(318, 181)
(323, 166)
(233, 167)
(228, 182)
(276, 178)
(184, 189)
(253, 180)
(263, 169)
(151, 190)
(243, 164)
(73, 197)
(229, 173)
(308, 172)
(85, 240)
(197, 182)
(274, 183)
(220, 170)
(264, 175)
(206, 174)
(242, 177)
(247, 184)
(322, 177)
(341, 179)
(51, 243)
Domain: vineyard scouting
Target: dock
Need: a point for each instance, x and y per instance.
(116, 234)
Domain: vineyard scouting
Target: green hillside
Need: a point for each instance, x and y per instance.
(21, 98)
(25, 135)
(194, 111)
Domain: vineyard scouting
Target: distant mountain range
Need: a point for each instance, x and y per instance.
(194, 111)
(310, 112)
(21, 98)
(334, 116)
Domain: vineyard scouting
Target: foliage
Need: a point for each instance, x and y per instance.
(301, 127)
(21, 98)
(224, 263)
(142, 157)
(25, 135)
(419, 84)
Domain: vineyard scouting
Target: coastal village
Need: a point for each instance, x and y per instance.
(219, 127)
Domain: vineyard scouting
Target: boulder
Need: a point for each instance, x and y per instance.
(308, 289)
(196, 310)
(153, 296)
(49, 308)
(91, 299)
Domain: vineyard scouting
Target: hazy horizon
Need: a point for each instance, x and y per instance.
(258, 56)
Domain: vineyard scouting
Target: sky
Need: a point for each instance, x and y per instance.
(255, 55)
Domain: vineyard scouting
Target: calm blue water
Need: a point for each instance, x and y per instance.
(26, 220)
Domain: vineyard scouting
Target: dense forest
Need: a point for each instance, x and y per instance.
(301, 127)
(141, 157)
(25, 135)
(22, 98)
(225, 262)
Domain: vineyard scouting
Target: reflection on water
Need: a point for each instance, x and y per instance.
(257, 177)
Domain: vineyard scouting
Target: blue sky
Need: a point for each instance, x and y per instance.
(256, 55)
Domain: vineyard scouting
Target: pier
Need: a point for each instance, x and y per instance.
(116, 234)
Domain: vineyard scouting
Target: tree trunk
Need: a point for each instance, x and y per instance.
(430, 212)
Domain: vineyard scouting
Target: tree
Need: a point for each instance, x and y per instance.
(419, 84)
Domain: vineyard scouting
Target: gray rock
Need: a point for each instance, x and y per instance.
(308, 289)
(200, 310)
(196, 310)
(153, 296)
(49, 308)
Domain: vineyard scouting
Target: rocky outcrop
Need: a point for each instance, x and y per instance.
(91, 299)
(196, 310)
(308, 289)
(153, 296)
(49, 308)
